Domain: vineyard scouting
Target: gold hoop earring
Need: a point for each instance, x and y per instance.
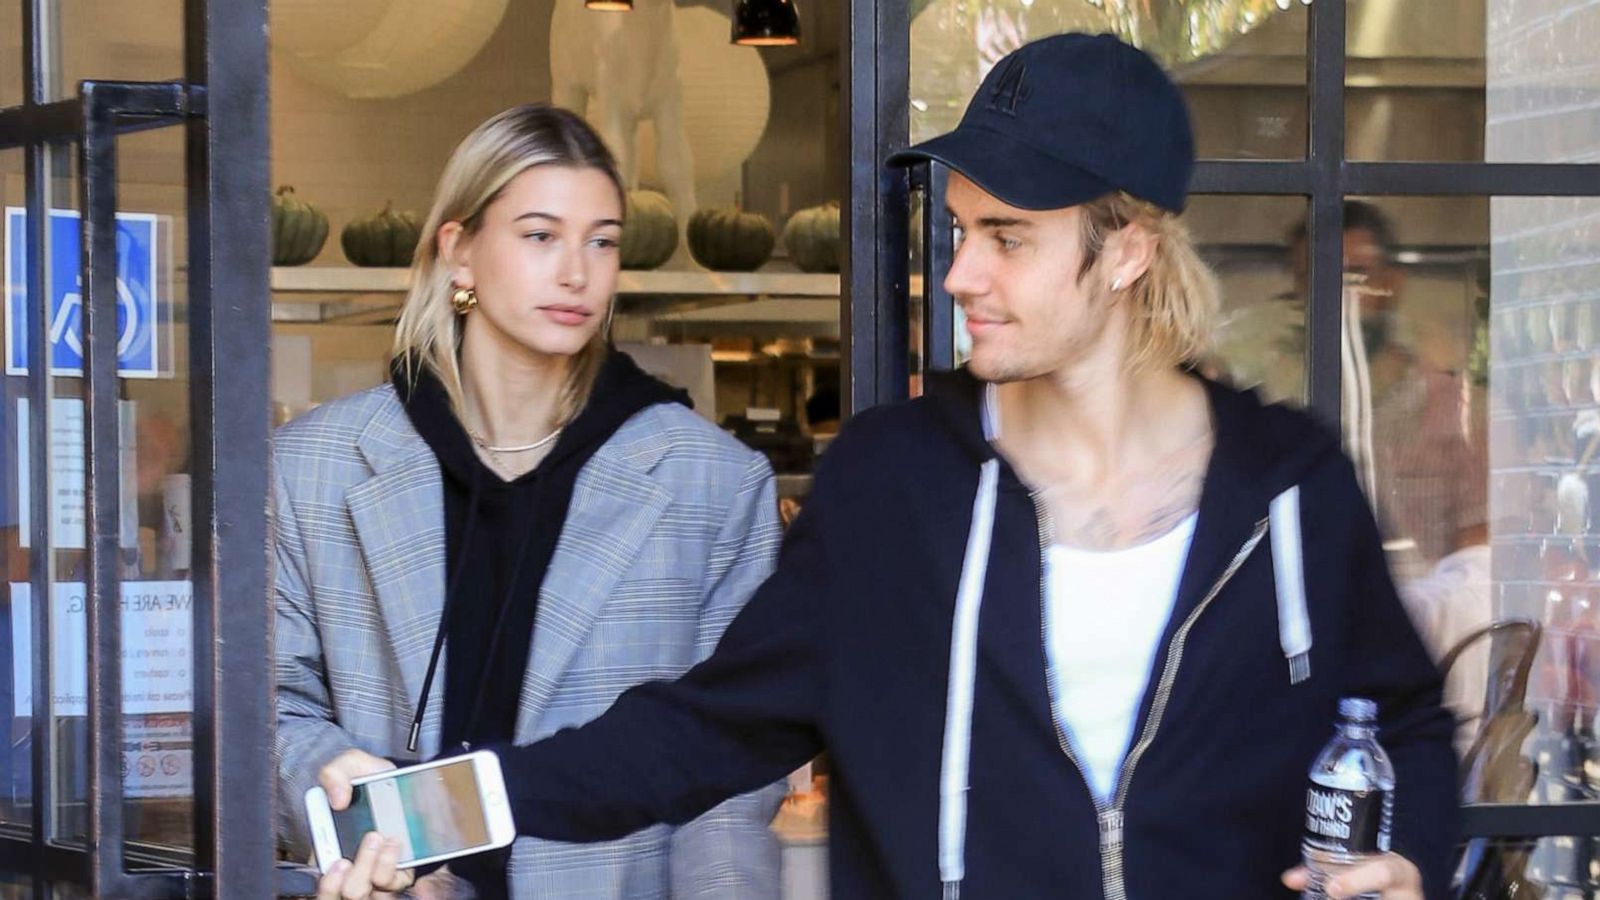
(465, 300)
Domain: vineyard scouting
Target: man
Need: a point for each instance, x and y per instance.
(1428, 457)
(1424, 439)
(1060, 624)
(1416, 430)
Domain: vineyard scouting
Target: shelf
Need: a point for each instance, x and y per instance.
(339, 280)
(794, 485)
(370, 296)
(767, 284)
(351, 280)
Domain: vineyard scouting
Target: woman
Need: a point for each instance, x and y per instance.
(523, 506)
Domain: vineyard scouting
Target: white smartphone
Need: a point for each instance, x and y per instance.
(437, 811)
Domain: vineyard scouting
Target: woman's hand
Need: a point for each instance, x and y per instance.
(1393, 876)
(373, 871)
(336, 776)
(374, 868)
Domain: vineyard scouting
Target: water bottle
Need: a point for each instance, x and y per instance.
(1350, 801)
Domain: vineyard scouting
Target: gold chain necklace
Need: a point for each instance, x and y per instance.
(494, 452)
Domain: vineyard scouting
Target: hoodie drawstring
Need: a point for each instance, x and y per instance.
(957, 755)
(1288, 572)
(444, 611)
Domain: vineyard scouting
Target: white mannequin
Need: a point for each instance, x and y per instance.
(620, 69)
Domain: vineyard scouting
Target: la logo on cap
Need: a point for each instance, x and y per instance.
(1009, 88)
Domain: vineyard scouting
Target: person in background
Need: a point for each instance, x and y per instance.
(822, 412)
(1075, 622)
(1418, 433)
(523, 499)
(1424, 424)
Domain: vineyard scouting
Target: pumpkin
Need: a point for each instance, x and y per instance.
(298, 229)
(649, 230)
(812, 238)
(388, 238)
(730, 240)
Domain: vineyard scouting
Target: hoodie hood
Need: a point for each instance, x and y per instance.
(620, 391)
(1267, 447)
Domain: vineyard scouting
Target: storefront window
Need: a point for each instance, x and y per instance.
(1256, 247)
(153, 537)
(753, 130)
(743, 313)
(16, 765)
(113, 42)
(11, 52)
(1471, 80)
(1544, 429)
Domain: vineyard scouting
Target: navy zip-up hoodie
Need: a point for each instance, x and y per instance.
(848, 648)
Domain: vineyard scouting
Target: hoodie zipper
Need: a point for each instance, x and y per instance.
(1110, 814)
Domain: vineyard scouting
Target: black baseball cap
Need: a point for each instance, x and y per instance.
(1069, 118)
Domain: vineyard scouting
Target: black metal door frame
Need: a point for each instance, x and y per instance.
(874, 314)
(222, 104)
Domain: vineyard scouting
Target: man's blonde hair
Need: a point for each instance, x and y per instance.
(1174, 303)
(429, 330)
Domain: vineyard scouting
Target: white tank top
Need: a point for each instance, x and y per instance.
(1104, 616)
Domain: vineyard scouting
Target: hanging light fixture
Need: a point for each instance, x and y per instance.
(766, 23)
(610, 5)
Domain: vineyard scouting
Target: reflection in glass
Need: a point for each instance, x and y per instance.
(1545, 416)
(115, 42)
(1414, 79)
(1542, 96)
(152, 544)
(1472, 80)
(157, 635)
(1241, 63)
(1187, 30)
(11, 56)
(1414, 392)
(1253, 246)
(16, 760)
(1414, 414)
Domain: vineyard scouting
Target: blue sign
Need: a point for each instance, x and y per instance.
(139, 337)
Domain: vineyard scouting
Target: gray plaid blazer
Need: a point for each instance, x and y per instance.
(672, 526)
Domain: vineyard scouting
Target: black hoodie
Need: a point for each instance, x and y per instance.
(848, 647)
(499, 539)
(500, 536)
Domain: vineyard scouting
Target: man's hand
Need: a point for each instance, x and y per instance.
(1393, 876)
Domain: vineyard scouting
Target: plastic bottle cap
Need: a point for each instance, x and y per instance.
(1358, 709)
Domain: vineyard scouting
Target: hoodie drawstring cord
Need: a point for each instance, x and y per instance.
(1288, 572)
(444, 611)
(957, 754)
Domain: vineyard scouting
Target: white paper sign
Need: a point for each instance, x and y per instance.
(157, 757)
(68, 494)
(157, 647)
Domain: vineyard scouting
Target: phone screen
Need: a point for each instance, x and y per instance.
(431, 812)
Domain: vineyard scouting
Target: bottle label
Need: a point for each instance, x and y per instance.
(1341, 821)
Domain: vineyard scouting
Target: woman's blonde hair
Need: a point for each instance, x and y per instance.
(429, 330)
(1174, 302)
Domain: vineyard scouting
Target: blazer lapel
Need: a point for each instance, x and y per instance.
(615, 505)
(399, 520)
